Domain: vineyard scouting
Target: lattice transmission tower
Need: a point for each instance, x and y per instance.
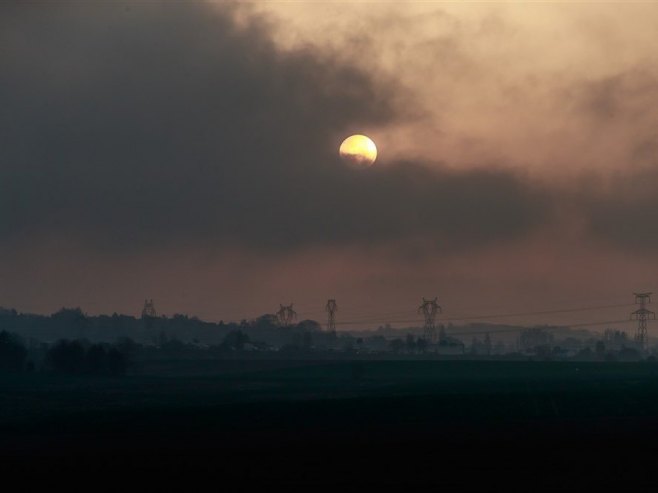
(286, 315)
(642, 315)
(149, 309)
(331, 309)
(429, 309)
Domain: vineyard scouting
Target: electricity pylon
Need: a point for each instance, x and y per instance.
(429, 309)
(331, 309)
(642, 315)
(149, 309)
(286, 315)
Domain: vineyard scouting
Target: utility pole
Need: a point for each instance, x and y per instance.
(429, 309)
(642, 315)
(286, 315)
(331, 309)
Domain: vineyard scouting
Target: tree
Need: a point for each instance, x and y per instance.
(12, 352)
(71, 319)
(410, 343)
(307, 340)
(396, 345)
(234, 341)
(600, 348)
(421, 344)
(116, 362)
(66, 357)
(127, 347)
(96, 359)
(309, 325)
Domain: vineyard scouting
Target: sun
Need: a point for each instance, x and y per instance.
(358, 149)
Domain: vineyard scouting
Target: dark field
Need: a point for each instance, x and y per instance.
(459, 424)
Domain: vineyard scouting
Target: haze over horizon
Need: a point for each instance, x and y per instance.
(188, 152)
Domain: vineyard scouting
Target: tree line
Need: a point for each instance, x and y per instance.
(72, 357)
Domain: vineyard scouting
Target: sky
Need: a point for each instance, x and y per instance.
(188, 152)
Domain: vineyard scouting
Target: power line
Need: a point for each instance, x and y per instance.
(384, 314)
(519, 329)
(489, 316)
(543, 312)
(383, 319)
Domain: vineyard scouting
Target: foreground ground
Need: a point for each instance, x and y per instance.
(464, 425)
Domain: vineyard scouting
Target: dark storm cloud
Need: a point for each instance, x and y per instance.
(132, 124)
(622, 209)
(628, 95)
(626, 213)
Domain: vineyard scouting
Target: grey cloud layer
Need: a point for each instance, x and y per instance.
(126, 125)
(622, 209)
